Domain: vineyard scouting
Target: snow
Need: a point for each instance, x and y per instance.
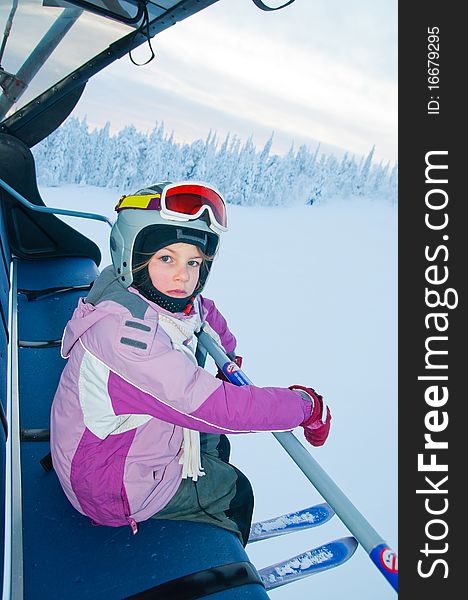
(311, 295)
(284, 521)
(304, 561)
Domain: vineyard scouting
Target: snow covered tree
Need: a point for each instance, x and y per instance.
(131, 159)
(99, 161)
(364, 173)
(124, 159)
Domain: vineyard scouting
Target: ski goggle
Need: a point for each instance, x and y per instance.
(182, 202)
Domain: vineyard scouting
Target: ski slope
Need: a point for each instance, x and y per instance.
(311, 294)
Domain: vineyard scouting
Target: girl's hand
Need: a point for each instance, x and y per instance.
(317, 426)
(222, 376)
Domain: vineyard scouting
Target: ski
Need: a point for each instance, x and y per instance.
(329, 555)
(290, 522)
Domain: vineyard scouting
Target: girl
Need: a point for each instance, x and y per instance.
(137, 426)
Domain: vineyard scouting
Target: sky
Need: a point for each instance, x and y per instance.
(322, 70)
(319, 310)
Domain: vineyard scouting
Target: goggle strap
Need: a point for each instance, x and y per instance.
(149, 202)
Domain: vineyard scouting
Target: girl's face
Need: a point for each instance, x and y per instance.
(174, 270)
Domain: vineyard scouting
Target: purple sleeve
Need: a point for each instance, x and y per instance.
(229, 409)
(216, 320)
(254, 409)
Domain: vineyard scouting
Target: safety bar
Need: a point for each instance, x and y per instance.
(53, 211)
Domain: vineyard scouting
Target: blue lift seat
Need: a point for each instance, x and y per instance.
(64, 554)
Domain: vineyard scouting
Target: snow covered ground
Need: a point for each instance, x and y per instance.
(311, 295)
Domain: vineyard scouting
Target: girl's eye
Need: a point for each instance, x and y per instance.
(166, 258)
(194, 263)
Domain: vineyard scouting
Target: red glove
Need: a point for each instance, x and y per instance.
(317, 426)
(222, 376)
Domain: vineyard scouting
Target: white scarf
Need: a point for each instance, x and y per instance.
(181, 333)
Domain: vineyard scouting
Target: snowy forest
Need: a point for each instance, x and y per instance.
(130, 159)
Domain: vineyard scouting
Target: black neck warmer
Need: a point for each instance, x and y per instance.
(143, 284)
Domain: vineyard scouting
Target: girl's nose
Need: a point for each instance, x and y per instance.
(182, 274)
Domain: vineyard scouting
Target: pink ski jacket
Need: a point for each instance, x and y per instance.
(124, 396)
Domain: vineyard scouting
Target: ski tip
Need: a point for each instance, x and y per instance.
(351, 544)
(328, 508)
(322, 558)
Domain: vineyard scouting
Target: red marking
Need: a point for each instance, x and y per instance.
(389, 560)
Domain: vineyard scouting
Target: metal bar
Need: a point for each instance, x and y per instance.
(38, 57)
(362, 530)
(110, 14)
(13, 561)
(35, 435)
(9, 23)
(50, 210)
(35, 294)
(45, 344)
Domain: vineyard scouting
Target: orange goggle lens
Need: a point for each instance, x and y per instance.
(189, 199)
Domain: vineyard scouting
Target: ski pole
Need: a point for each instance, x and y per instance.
(380, 553)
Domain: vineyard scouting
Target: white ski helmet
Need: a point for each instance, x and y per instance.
(162, 214)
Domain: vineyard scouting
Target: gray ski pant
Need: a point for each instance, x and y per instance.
(223, 497)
